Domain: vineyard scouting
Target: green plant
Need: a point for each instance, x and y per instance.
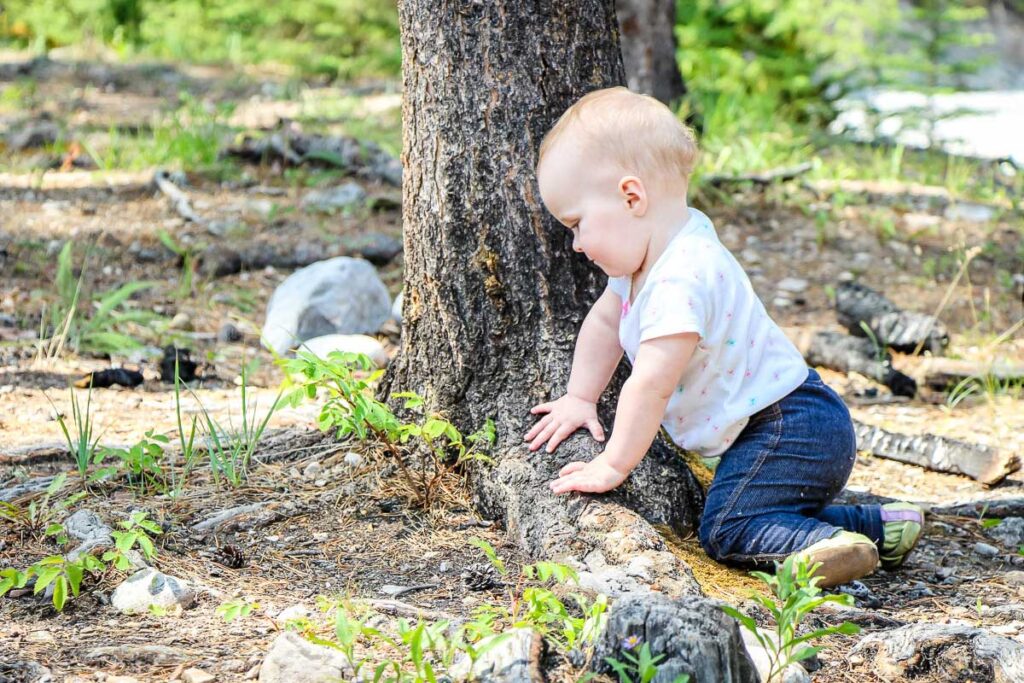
(796, 595)
(188, 264)
(65, 575)
(238, 608)
(988, 385)
(640, 665)
(135, 531)
(143, 462)
(351, 409)
(100, 331)
(188, 453)
(231, 450)
(82, 445)
(38, 516)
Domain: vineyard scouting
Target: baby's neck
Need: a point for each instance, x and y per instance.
(669, 218)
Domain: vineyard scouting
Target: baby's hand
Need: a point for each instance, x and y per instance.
(590, 477)
(564, 416)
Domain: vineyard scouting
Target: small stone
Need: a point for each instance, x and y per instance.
(855, 660)
(968, 211)
(181, 321)
(229, 334)
(985, 550)
(120, 679)
(311, 470)
(322, 346)
(781, 302)
(1005, 629)
(353, 459)
(320, 483)
(750, 256)
(792, 284)
(293, 658)
(334, 198)
(197, 676)
(40, 637)
(1009, 532)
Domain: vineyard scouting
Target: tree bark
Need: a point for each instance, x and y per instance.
(649, 48)
(494, 295)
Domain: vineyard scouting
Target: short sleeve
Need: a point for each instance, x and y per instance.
(673, 304)
(619, 286)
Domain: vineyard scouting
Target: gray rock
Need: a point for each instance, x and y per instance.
(338, 296)
(377, 248)
(353, 459)
(311, 470)
(334, 198)
(388, 169)
(87, 527)
(1009, 532)
(24, 671)
(228, 334)
(985, 550)
(31, 486)
(293, 659)
(149, 587)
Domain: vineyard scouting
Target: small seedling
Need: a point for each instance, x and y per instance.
(796, 594)
(81, 444)
(640, 665)
(136, 532)
(236, 609)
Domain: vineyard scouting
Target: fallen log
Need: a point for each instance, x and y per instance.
(939, 651)
(845, 353)
(944, 374)
(859, 307)
(986, 464)
(761, 178)
(982, 507)
(179, 200)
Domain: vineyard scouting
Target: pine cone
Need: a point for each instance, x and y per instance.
(231, 556)
(481, 576)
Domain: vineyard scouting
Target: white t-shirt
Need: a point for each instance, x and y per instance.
(743, 362)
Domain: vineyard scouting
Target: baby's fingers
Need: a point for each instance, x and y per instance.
(541, 424)
(541, 408)
(543, 436)
(570, 468)
(560, 435)
(594, 425)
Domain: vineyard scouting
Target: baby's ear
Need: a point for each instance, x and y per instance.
(634, 194)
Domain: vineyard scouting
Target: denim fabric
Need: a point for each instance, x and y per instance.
(771, 492)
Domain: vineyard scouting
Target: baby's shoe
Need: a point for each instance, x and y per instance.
(844, 557)
(902, 524)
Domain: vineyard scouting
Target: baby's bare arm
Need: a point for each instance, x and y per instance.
(597, 353)
(657, 369)
(597, 349)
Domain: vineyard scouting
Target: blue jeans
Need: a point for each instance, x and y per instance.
(771, 492)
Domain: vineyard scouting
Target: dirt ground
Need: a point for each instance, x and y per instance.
(348, 530)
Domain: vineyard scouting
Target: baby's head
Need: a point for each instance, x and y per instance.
(636, 132)
(613, 158)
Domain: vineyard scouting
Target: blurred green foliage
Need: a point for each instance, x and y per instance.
(338, 38)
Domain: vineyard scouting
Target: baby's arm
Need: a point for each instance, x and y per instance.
(596, 356)
(656, 372)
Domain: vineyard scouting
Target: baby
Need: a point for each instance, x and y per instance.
(709, 364)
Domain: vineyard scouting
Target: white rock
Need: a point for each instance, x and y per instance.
(193, 675)
(293, 659)
(792, 284)
(341, 295)
(312, 469)
(967, 211)
(149, 587)
(353, 459)
(350, 343)
(334, 198)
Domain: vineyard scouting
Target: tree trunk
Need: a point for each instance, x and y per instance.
(649, 48)
(494, 295)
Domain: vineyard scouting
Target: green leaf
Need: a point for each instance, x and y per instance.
(60, 593)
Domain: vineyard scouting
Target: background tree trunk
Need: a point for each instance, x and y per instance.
(494, 295)
(649, 48)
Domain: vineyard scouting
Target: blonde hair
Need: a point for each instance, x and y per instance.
(637, 131)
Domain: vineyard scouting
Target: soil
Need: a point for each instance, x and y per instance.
(353, 530)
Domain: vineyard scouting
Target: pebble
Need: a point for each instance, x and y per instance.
(985, 550)
(228, 334)
(353, 459)
(181, 321)
(792, 284)
(312, 470)
(197, 676)
(1005, 629)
